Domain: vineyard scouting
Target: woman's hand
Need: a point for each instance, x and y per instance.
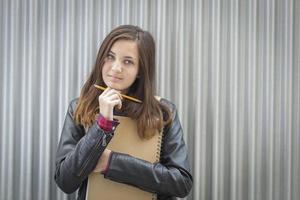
(107, 101)
(103, 161)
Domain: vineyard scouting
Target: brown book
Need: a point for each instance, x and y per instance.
(125, 141)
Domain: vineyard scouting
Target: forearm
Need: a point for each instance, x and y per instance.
(170, 177)
(156, 178)
(81, 160)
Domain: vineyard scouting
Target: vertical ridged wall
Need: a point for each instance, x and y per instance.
(232, 67)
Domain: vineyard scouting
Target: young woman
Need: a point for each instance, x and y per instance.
(125, 65)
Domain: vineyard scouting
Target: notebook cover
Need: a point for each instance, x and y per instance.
(125, 141)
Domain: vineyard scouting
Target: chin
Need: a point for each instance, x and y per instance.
(115, 86)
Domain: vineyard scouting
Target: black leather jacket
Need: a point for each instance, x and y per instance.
(78, 153)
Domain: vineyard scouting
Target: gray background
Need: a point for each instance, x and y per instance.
(232, 68)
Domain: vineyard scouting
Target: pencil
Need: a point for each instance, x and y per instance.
(123, 95)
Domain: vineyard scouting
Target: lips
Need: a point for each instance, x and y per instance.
(114, 78)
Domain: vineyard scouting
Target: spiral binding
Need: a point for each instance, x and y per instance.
(158, 148)
(157, 156)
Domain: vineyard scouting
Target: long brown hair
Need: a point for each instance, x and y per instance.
(151, 113)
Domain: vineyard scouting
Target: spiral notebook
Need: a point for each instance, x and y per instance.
(127, 142)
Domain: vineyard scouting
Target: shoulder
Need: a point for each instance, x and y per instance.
(169, 104)
(72, 105)
(169, 112)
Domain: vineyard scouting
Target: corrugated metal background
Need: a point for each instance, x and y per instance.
(231, 66)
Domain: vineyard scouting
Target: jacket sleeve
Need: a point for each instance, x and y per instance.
(77, 152)
(170, 177)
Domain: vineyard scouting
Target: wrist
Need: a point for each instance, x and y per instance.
(107, 125)
(107, 114)
(107, 163)
(105, 157)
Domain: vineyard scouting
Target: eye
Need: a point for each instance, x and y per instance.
(128, 62)
(110, 57)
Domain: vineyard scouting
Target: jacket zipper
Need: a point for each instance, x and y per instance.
(103, 141)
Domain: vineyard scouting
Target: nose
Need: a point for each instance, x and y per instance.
(116, 66)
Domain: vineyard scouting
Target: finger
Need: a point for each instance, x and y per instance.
(110, 92)
(113, 92)
(105, 93)
(113, 97)
(119, 94)
(106, 90)
(119, 106)
(117, 103)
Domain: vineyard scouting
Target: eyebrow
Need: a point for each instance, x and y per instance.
(129, 57)
(124, 56)
(111, 52)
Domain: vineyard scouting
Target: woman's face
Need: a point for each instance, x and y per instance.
(121, 65)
